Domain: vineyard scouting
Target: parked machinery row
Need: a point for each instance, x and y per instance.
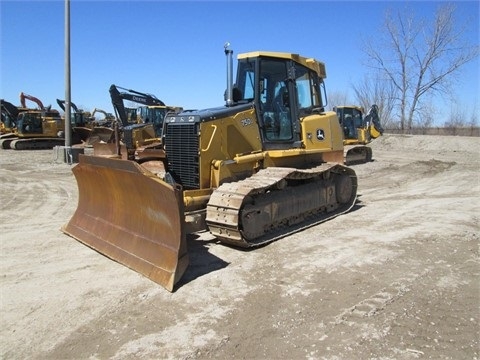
(44, 128)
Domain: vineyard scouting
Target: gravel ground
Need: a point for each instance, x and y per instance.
(395, 278)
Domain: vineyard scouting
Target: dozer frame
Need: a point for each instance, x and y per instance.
(265, 165)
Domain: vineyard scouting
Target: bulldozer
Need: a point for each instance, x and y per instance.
(265, 165)
(358, 131)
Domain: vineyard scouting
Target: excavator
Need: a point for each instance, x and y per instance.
(108, 118)
(358, 130)
(80, 117)
(267, 164)
(9, 113)
(85, 128)
(141, 127)
(41, 128)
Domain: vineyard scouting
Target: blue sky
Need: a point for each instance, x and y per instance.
(174, 49)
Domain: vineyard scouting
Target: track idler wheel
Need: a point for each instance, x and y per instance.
(344, 189)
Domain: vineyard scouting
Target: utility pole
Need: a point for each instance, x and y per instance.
(68, 130)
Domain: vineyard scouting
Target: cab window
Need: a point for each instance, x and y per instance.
(275, 100)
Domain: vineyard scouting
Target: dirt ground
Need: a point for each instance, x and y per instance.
(395, 278)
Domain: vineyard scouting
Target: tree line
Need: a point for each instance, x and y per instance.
(410, 63)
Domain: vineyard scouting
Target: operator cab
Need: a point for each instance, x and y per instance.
(351, 119)
(152, 115)
(284, 92)
(37, 121)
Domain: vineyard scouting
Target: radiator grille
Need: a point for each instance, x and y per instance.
(181, 146)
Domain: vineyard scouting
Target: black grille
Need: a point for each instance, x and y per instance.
(181, 146)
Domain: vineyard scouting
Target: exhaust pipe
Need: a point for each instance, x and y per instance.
(229, 93)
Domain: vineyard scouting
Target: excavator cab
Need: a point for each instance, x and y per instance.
(153, 115)
(38, 123)
(351, 120)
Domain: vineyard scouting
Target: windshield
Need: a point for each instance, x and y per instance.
(154, 116)
(246, 78)
(30, 123)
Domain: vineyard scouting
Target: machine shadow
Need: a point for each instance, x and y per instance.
(357, 205)
(201, 261)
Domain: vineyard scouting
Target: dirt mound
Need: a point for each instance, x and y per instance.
(427, 143)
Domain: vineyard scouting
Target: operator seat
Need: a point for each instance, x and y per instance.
(279, 100)
(282, 114)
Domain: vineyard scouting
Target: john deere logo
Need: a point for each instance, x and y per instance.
(320, 134)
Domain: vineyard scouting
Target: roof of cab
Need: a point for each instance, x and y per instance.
(315, 65)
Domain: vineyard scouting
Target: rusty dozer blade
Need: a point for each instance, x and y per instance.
(130, 215)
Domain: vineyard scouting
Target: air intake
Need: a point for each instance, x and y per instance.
(181, 146)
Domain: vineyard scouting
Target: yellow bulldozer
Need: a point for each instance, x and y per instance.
(358, 131)
(267, 164)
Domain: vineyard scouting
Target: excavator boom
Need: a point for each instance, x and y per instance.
(37, 101)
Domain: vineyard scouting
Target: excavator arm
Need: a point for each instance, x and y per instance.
(130, 95)
(24, 97)
(61, 103)
(108, 116)
(10, 109)
(9, 116)
(373, 119)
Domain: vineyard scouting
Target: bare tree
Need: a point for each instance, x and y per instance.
(380, 92)
(473, 118)
(426, 116)
(337, 98)
(420, 59)
(457, 119)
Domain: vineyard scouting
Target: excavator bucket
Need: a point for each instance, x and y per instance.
(130, 215)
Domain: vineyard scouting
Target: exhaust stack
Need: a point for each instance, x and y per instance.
(229, 93)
